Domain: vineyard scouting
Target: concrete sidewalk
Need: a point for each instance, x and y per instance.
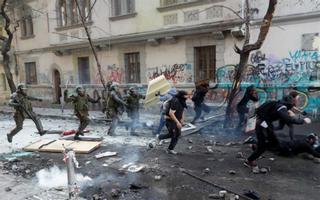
(69, 114)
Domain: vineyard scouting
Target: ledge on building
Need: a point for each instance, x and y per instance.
(125, 16)
(73, 26)
(191, 3)
(27, 37)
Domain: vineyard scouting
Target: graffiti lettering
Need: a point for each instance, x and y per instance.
(177, 73)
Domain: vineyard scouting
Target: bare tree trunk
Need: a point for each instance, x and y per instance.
(6, 46)
(91, 44)
(245, 53)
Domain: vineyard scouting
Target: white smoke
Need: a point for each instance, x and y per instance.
(56, 177)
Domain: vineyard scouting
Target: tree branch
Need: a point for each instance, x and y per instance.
(91, 45)
(264, 29)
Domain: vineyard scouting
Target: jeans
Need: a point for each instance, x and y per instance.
(162, 123)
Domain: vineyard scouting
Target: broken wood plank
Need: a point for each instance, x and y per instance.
(58, 146)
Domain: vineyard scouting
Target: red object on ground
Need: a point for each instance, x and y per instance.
(69, 132)
(72, 132)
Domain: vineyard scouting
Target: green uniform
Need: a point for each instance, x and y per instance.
(23, 109)
(115, 107)
(81, 109)
(133, 109)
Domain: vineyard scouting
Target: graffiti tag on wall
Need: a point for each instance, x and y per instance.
(299, 67)
(110, 73)
(177, 73)
(300, 71)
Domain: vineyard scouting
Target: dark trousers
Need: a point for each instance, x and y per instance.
(266, 140)
(19, 118)
(134, 121)
(198, 109)
(114, 124)
(174, 134)
(242, 120)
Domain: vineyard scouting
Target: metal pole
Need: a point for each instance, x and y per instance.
(72, 183)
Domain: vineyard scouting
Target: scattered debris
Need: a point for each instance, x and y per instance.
(256, 170)
(232, 172)
(134, 186)
(206, 170)
(136, 168)
(214, 196)
(115, 193)
(131, 167)
(222, 193)
(209, 149)
(251, 194)
(263, 170)
(190, 141)
(157, 178)
(272, 159)
(106, 154)
(190, 147)
(239, 155)
(8, 189)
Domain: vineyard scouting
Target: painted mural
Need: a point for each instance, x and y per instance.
(275, 77)
(176, 73)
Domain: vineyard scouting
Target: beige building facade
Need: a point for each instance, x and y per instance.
(138, 40)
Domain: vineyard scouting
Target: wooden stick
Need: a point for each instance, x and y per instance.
(214, 185)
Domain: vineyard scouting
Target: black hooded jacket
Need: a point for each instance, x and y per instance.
(277, 110)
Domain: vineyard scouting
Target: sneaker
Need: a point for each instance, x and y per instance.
(250, 164)
(172, 152)
(9, 138)
(158, 141)
(249, 140)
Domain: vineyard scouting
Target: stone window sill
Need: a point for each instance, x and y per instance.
(125, 16)
(181, 5)
(27, 37)
(73, 26)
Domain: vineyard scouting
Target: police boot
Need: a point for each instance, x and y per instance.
(9, 138)
(76, 137)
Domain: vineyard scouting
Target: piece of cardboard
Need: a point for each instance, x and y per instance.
(159, 84)
(57, 146)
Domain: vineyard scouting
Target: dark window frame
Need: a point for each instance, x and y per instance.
(84, 76)
(31, 73)
(132, 67)
(205, 63)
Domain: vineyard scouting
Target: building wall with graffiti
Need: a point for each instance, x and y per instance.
(175, 73)
(275, 77)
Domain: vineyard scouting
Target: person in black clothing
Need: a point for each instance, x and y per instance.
(242, 108)
(295, 147)
(198, 98)
(292, 95)
(266, 114)
(175, 120)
